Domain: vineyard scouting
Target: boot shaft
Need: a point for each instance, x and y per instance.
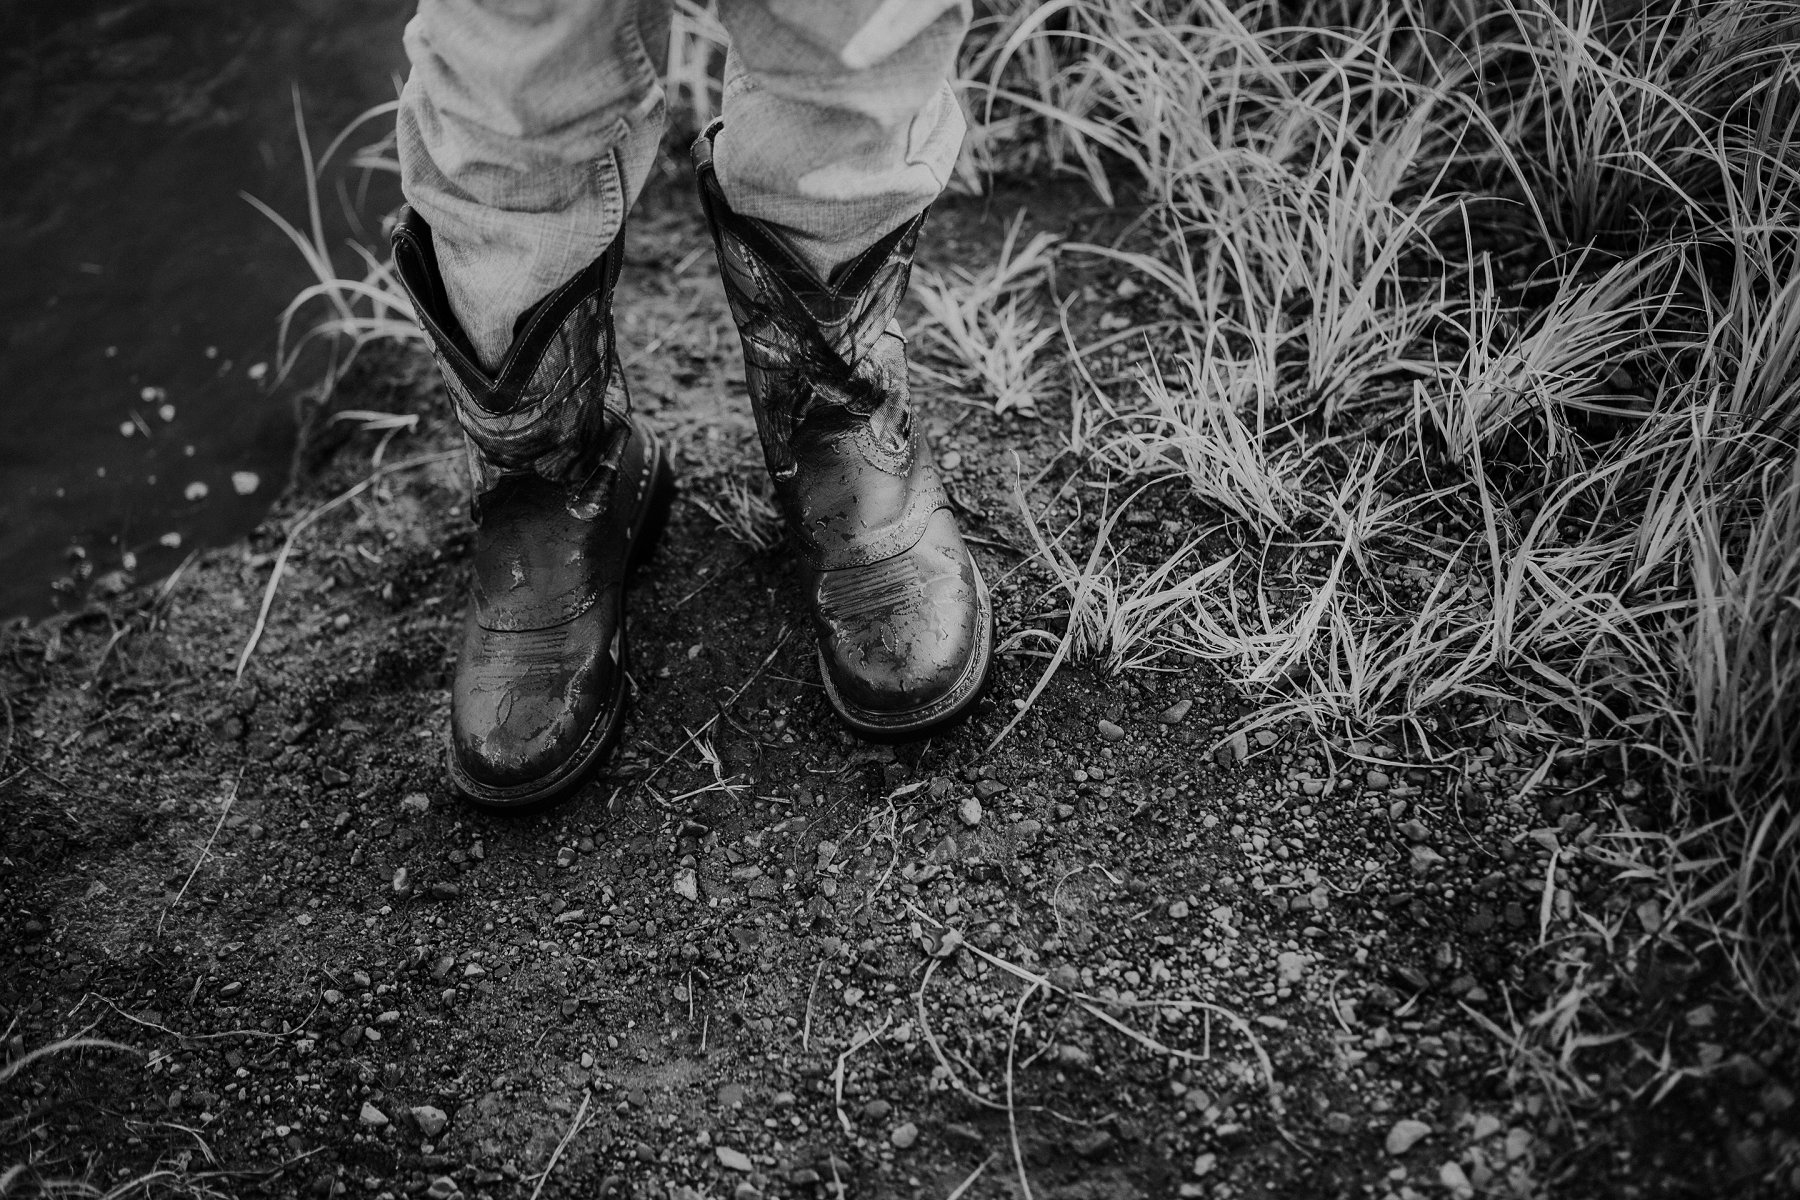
(556, 407)
(814, 350)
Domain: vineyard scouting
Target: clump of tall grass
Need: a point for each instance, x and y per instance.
(1493, 390)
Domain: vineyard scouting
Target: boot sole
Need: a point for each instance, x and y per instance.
(600, 740)
(947, 708)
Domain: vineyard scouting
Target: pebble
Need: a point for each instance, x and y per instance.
(904, 1135)
(402, 881)
(415, 802)
(1178, 910)
(1425, 860)
(949, 460)
(877, 1110)
(731, 1095)
(1339, 1123)
(1378, 781)
(687, 886)
(372, 1116)
(1091, 1144)
(987, 789)
(734, 1160)
(431, 1121)
(1405, 1135)
(1173, 714)
(1240, 746)
(1486, 1126)
(1452, 1176)
(1290, 967)
(1204, 1163)
(969, 811)
(1110, 731)
(245, 483)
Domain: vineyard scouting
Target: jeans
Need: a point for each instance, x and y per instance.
(528, 127)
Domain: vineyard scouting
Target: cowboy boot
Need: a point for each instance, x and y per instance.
(570, 492)
(904, 623)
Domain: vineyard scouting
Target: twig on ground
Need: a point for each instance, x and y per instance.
(204, 851)
(837, 1075)
(1012, 1119)
(806, 1026)
(743, 687)
(305, 521)
(587, 1095)
(78, 1042)
(963, 1187)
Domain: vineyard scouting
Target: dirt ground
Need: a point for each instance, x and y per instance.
(1122, 954)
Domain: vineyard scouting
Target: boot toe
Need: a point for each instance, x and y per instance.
(904, 643)
(532, 709)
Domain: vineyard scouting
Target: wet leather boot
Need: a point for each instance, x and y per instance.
(570, 492)
(904, 623)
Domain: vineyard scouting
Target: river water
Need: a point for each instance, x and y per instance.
(140, 292)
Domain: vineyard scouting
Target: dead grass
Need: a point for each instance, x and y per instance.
(1491, 389)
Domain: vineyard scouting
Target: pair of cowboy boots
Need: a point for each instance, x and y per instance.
(571, 492)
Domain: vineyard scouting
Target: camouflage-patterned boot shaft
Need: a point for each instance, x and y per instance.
(557, 407)
(812, 348)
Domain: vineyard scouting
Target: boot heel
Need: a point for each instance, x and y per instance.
(657, 506)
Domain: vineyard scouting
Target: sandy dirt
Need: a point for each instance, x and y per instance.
(1122, 954)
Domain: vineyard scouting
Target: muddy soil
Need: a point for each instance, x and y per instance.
(1124, 953)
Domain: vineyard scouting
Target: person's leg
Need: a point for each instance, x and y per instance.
(839, 129)
(839, 120)
(526, 129)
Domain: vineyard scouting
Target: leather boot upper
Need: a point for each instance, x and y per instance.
(898, 603)
(564, 479)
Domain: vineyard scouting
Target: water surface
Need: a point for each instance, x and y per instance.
(140, 291)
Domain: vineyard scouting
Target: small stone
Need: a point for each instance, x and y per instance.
(877, 1110)
(1290, 968)
(1240, 747)
(1405, 1135)
(1111, 732)
(415, 802)
(1415, 830)
(1425, 860)
(1204, 1164)
(745, 1191)
(431, 1120)
(402, 881)
(1091, 1144)
(1486, 1126)
(969, 811)
(904, 1135)
(443, 889)
(731, 1095)
(987, 789)
(1377, 781)
(687, 886)
(1339, 1123)
(372, 1116)
(1178, 911)
(949, 460)
(245, 483)
(963, 1135)
(1452, 1176)
(195, 491)
(1174, 714)
(443, 1188)
(734, 1160)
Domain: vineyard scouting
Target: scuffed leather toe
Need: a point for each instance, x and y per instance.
(904, 643)
(532, 708)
